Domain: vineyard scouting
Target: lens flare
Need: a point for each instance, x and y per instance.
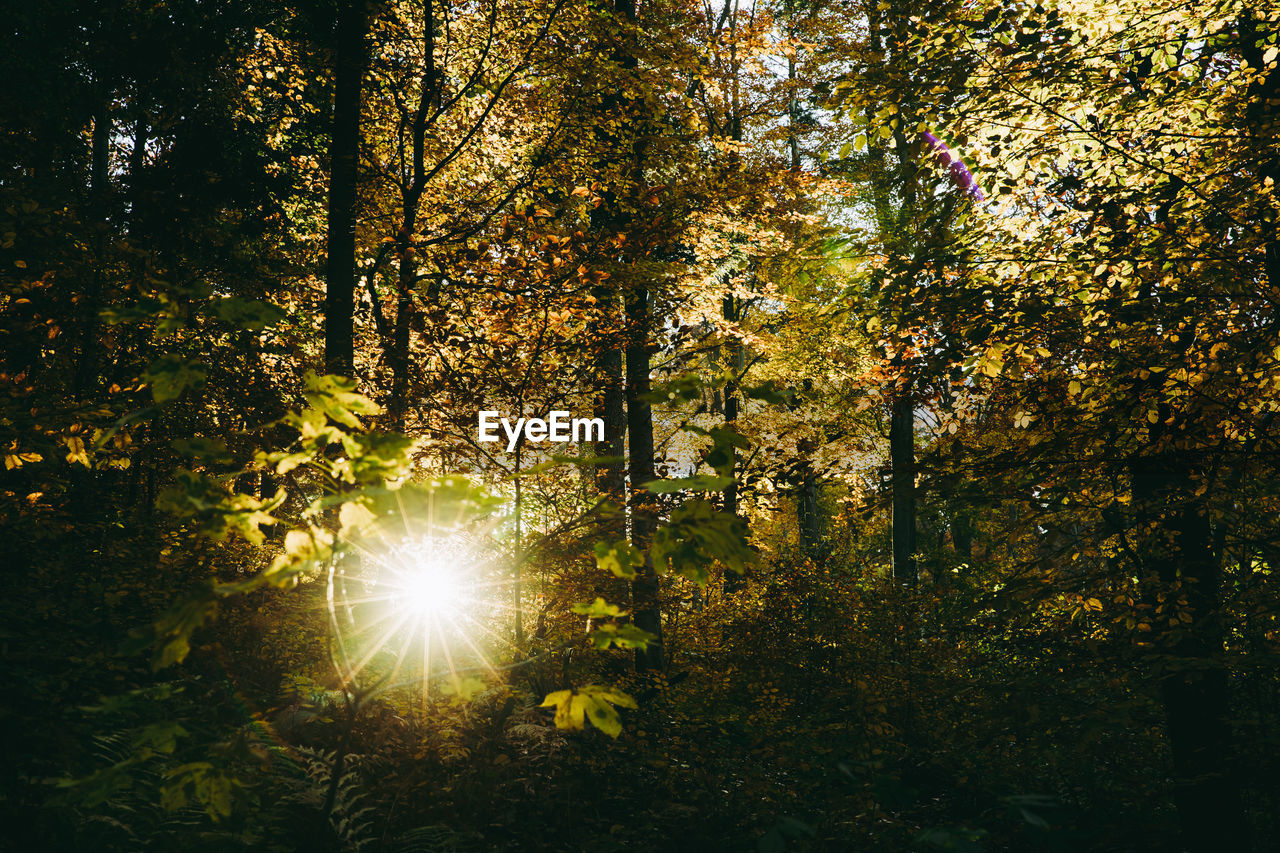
(426, 587)
(433, 599)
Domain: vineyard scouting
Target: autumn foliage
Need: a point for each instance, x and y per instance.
(935, 506)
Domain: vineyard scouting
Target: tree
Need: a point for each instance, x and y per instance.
(892, 100)
(350, 56)
(1151, 347)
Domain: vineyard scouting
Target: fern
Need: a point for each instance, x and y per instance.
(436, 838)
(351, 820)
(125, 796)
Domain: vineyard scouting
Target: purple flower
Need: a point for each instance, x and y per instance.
(959, 171)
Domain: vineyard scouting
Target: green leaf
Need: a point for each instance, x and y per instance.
(598, 609)
(696, 483)
(171, 375)
(303, 550)
(284, 462)
(697, 535)
(685, 389)
(568, 714)
(766, 392)
(619, 557)
(201, 782)
(160, 737)
(337, 398)
(591, 702)
(205, 500)
(251, 314)
(626, 636)
(210, 450)
(170, 635)
(603, 717)
(354, 517)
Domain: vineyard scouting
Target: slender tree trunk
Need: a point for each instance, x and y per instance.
(610, 406)
(962, 535)
(807, 515)
(884, 38)
(731, 307)
(793, 98)
(411, 203)
(517, 580)
(732, 580)
(1176, 547)
(86, 375)
(623, 163)
(644, 589)
(902, 448)
(137, 162)
(607, 220)
(808, 520)
(399, 355)
(959, 506)
(352, 25)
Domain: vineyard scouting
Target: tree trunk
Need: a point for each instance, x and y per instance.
(807, 517)
(339, 302)
(623, 160)
(411, 203)
(1176, 547)
(644, 589)
(610, 407)
(86, 374)
(137, 162)
(962, 535)
(517, 579)
(902, 448)
(732, 580)
(399, 403)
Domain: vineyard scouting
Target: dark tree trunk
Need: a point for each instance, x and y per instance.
(399, 403)
(86, 375)
(339, 303)
(731, 310)
(962, 536)
(807, 516)
(732, 580)
(621, 177)
(411, 203)
(902, 448)
(1175, 547)
(137, 162)
(610, 406)
(644, 589)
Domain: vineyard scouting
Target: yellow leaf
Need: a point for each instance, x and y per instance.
(75, 449)
(354, 516)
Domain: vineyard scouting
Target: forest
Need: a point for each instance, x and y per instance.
(649, 425)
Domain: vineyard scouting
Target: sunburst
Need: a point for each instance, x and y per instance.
(441, 600)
